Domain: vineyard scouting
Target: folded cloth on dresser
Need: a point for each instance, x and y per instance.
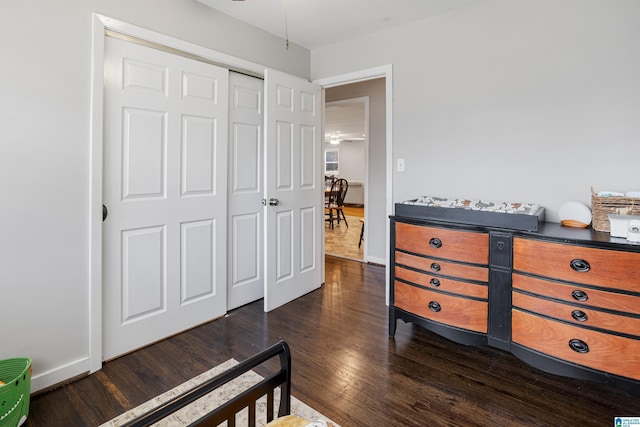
(477, 205)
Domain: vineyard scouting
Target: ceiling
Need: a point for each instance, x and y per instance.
(345, 121)
(316, 23)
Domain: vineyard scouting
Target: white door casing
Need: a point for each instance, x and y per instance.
(245, 272)
(164, 184)
(386, 72)
(294, 212)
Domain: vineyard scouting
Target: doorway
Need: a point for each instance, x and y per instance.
(346, 148)
(372, 85)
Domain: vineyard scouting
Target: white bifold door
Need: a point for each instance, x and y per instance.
(164, 179)
(197, 209)
(294, 195)
(246, 159)
(275, 251)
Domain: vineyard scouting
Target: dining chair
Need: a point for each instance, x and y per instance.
(328, 183)
(335, 202)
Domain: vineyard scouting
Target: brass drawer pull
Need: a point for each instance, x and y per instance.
(579, 315)
(435, 267)
(579, 346)
(434, 306)
(434, 282)
(579, 295)
(580, 265)
(435, 243)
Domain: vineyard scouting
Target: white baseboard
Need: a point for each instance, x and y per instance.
(376, 260)
(59, 375)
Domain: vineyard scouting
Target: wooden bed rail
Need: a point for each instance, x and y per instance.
(245, 399)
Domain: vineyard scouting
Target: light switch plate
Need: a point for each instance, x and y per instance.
(400, 165)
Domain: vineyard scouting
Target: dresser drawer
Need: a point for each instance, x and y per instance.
(601, 267)
(467, 246)
(445, 268)
(604, 352)
(460, 312)
(578, 315)
(577, 294)
(443, 284)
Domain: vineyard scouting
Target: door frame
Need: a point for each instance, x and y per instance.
(385, 71)
(100, 25)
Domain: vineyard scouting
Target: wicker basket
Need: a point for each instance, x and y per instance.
(602, 206)
(14, 394)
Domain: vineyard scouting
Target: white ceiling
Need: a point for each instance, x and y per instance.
(345, 121)
(316, 23)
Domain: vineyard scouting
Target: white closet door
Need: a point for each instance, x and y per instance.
(165, 179)
(294, 213)
(246, 232)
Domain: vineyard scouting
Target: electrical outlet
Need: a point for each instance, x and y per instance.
(400, 165)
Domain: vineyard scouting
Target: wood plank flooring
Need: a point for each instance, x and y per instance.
(342, 241)
(346, 366)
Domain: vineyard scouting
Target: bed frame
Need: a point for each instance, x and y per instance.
(246, 399)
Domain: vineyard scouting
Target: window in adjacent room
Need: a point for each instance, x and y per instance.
(331, 162)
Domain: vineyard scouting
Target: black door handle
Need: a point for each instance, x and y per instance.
(105, 212)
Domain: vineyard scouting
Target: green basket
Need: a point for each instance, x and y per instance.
(15, 393)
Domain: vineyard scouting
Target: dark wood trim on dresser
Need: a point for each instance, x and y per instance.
(564, 300)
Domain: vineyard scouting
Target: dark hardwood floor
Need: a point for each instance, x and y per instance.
(346, 366)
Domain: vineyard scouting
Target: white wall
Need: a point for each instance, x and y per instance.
(44, 159)
(352, 157)
(530, 101)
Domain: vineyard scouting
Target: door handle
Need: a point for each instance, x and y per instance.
(274, 202)
(105, 212)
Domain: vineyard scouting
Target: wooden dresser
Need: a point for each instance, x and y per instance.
(564, 300)
(442, 275)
